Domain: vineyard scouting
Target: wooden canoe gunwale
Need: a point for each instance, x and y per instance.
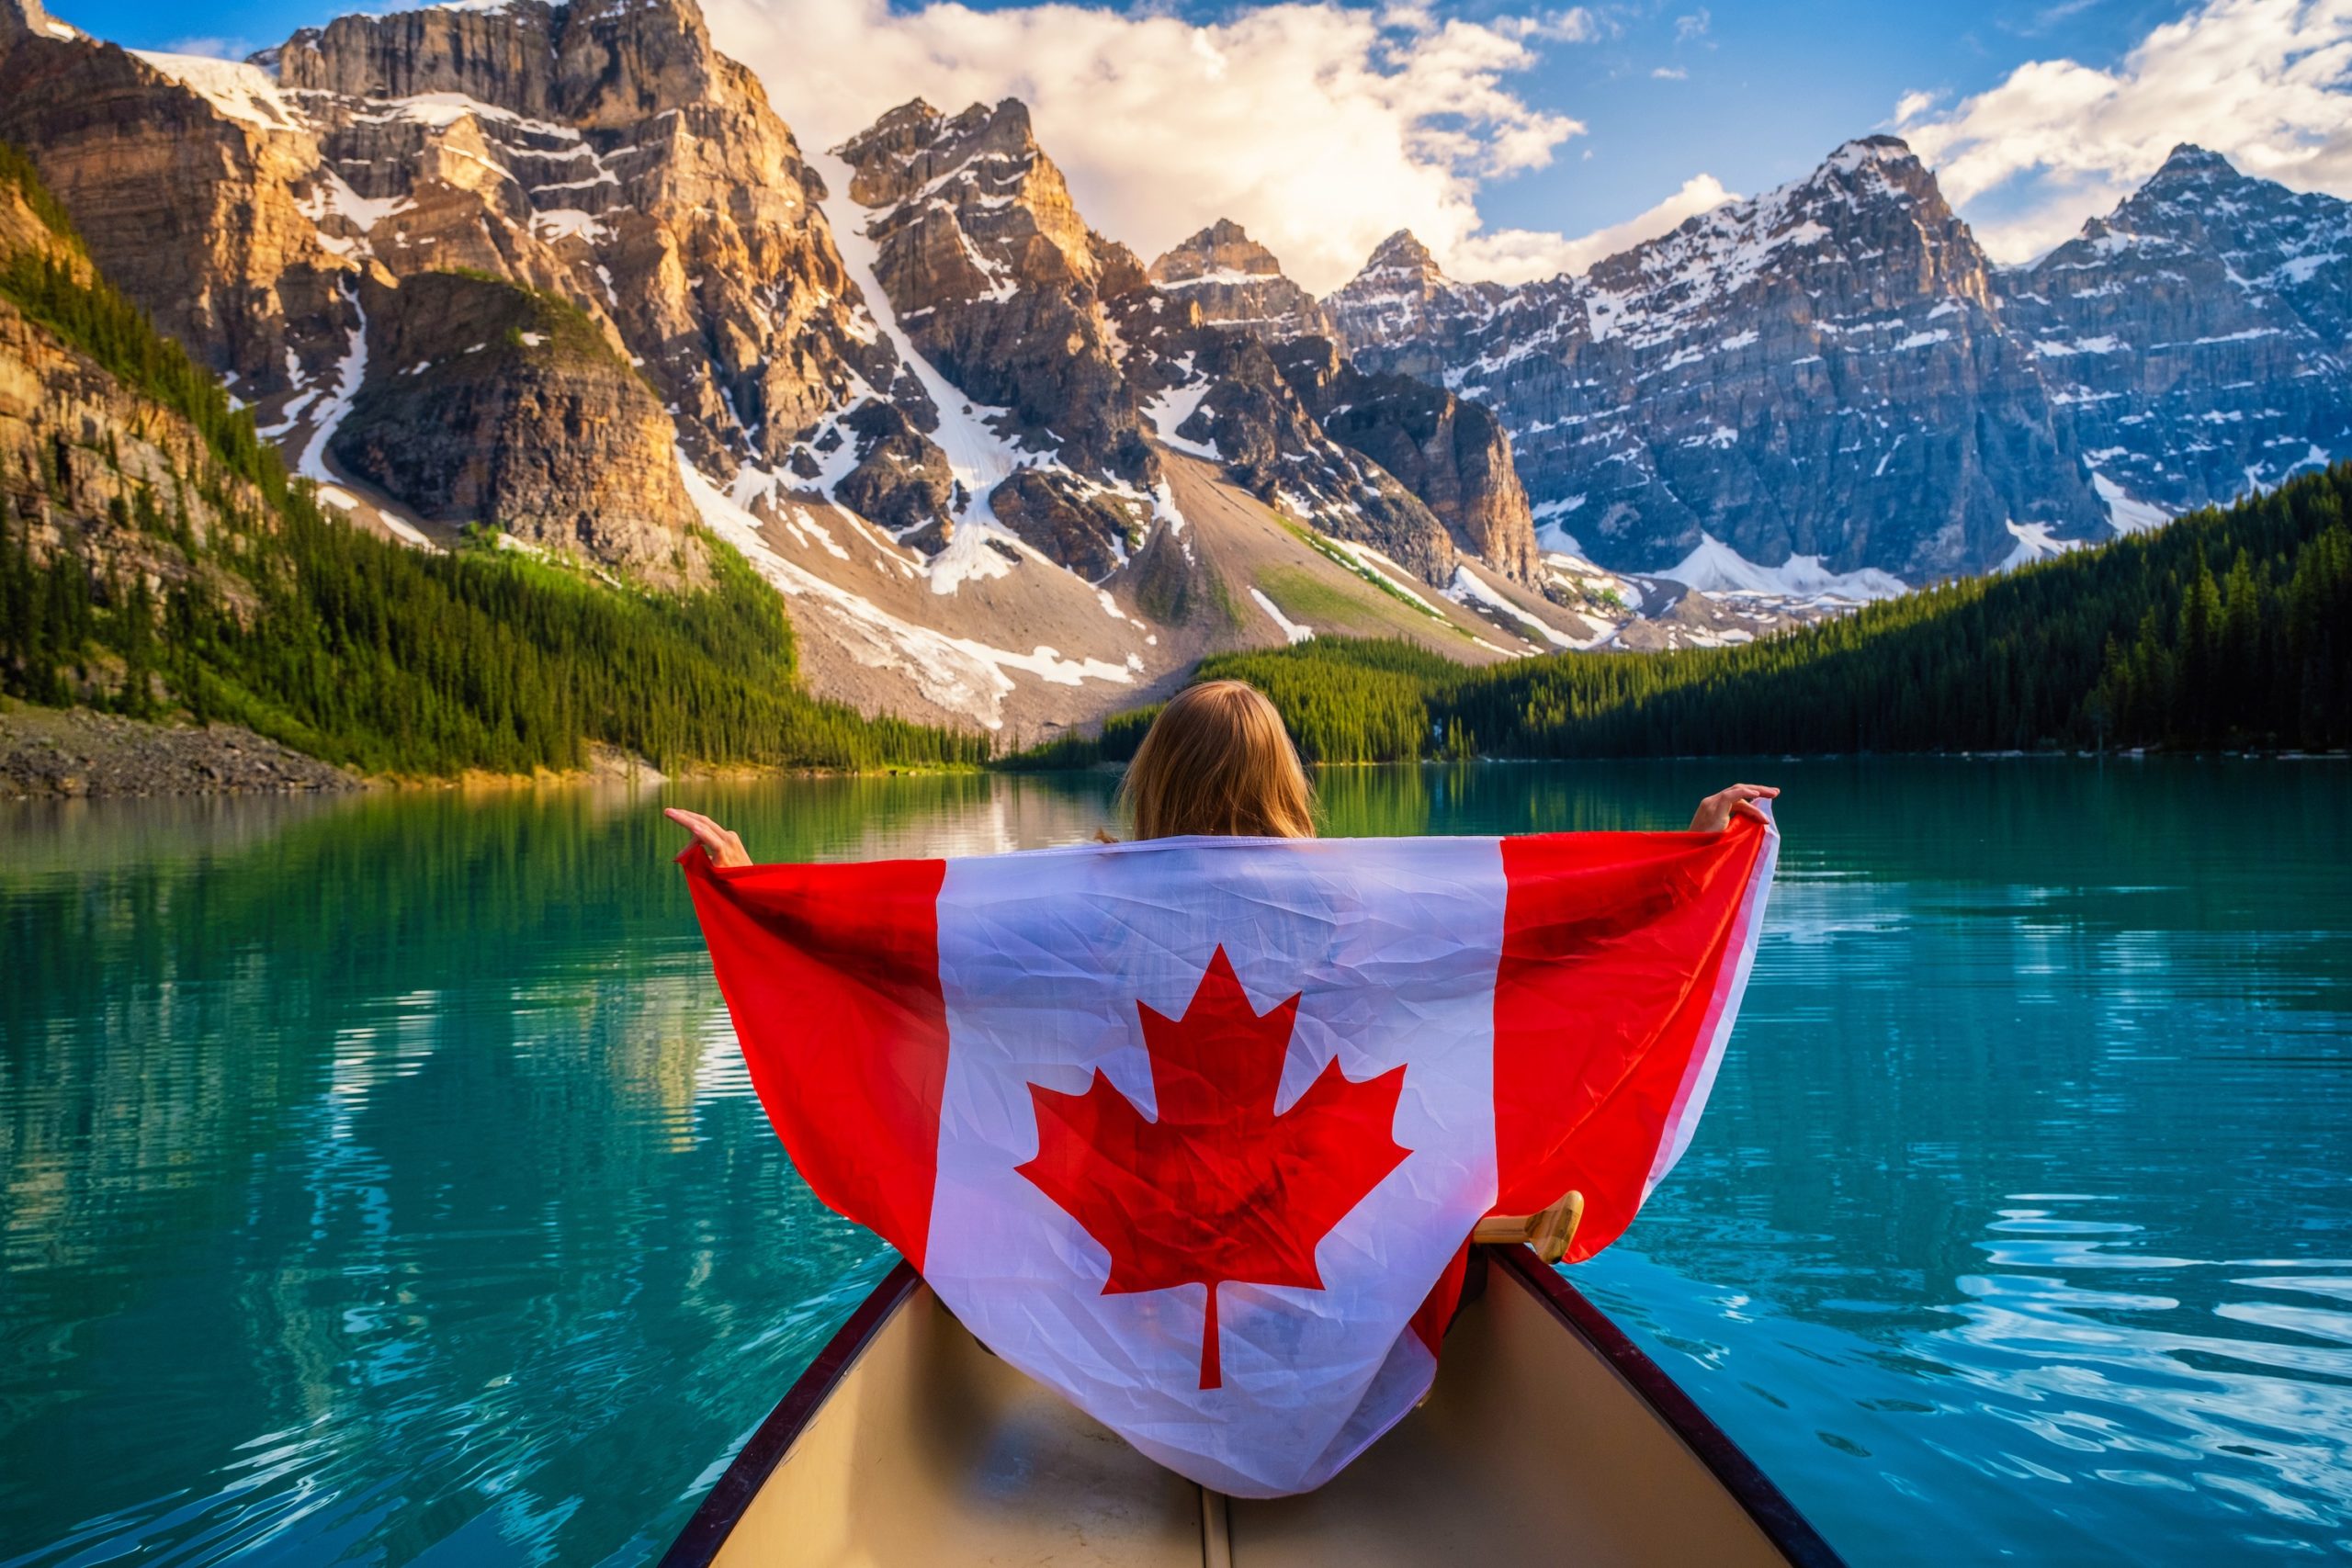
(1748, 1485)
(698, 1545)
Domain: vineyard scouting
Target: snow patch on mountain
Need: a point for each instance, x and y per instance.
(1171, 408)
(349, 376)
(980, 457)
(1468, 590)
(1715, 567)
(240, 91)
(1290, 629)
(2128, 516)
(2035, 543)
(961, 674)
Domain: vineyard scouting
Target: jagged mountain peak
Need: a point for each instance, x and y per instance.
(1861, 150)
(1403, 252)
(25, 19)
(915, 144)
(1235, 281)
(2199, 332)
(2188, 160)
(1402, 299)
(1223, 246)
(916, 111)
(591, 63)
(2198, 198)
(1866, 171)
(1869, 199)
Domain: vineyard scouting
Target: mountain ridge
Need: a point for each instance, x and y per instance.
(2082, 446)
(971, 440)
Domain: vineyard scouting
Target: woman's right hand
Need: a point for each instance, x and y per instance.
(1716, 812)
(724, 847)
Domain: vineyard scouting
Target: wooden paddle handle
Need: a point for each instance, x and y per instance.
(1548, 1232)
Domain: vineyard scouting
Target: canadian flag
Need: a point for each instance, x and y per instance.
(1196, 1130)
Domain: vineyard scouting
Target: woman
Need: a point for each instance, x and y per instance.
(1217, 761)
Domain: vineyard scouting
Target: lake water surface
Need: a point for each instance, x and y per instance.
(379, 1182)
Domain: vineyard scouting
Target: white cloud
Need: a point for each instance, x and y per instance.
(1318, 127)
(1670, 73)
(2266, 83)
(1515, 255)
(216, 48)
(1694, 26)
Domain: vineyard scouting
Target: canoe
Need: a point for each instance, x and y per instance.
(1549, 1437)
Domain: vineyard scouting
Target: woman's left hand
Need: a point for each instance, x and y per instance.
(723, 848)
(1716, 812)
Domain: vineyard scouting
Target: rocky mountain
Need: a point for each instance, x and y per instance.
(1449, 455)
(1238, 282)
(998, 281)
(1819, 375)
(1450, 452)
(491, 400)
(562, 271)
(1402, 313)
(559, 270)
(2199, 337)
(1828, 386)
(83, 456)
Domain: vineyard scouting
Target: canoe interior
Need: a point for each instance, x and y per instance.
(909, 1444)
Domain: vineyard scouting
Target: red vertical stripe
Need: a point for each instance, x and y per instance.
(1613, 948)
(831, 973)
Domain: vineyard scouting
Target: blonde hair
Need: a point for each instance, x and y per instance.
(1217, 760)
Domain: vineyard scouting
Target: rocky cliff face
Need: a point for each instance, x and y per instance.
(92, 467)
(1452, 454)
(485, 402)
(601, 150)
(999, 282)
(1237, 282)
(1247, 413)
(1402, 313)
(25, 19)
(605, 150)
(2199, 337)
(1817, 372)
(192, 213)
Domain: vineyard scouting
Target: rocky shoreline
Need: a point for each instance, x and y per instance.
(81, 754)
(76, 753)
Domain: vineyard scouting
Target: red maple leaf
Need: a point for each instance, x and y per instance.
(1218, 1187)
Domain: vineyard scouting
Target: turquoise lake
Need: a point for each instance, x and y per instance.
(379, 1182)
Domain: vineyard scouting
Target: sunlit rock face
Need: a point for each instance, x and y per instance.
(1451, 453)
(999, 283)
(602, 152)
(1237, 282)
(490, 401)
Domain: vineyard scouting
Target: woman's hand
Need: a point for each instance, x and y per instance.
(723, 848)
(1716, 812)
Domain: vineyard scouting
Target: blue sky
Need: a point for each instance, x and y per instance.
(1771, 87)
(2035, 112)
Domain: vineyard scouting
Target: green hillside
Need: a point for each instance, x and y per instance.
(354, 649)
(2226, 628)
